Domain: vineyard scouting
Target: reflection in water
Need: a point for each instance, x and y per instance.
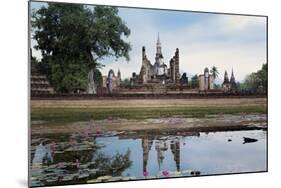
(74, 162)
(161, 147)
(89, 158)
(146, 146)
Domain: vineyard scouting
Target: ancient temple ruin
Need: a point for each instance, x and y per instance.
(161, 146)
(229, 85)
(111, 82)
(206, 81)
(158, 77)
(157, 73)
(40, 84)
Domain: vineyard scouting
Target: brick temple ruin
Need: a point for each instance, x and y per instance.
(40, 84)
(153, 78)
(158, 73)
(159, 77)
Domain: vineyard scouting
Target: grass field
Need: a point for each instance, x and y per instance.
(66, 114)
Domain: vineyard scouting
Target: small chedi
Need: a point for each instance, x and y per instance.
(229, 85)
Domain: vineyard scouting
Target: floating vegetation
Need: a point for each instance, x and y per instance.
(56, 173)
(73, 159)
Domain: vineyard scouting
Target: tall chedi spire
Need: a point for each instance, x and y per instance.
(158, 49)
(158, 41)
(226, 79)
(232, 82)
(232, 78)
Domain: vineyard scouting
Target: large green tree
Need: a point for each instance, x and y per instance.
(262, 75)
(74, 38)
(256, 82)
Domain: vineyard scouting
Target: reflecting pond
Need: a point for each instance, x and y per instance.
(86, 157)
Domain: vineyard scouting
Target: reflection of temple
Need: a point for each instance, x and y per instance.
(175, 148)
(161, 146)
(146, 146)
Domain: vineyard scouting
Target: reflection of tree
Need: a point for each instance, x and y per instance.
(76, 163)
(114, 165)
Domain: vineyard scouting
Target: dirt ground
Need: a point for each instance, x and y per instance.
(123, 103)
(221, 122)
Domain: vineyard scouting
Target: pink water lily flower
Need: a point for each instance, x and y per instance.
(145, 173)
(165, 173)
(98, 131)
(85, 134)
(60, 165)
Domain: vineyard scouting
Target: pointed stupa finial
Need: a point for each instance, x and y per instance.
(226, 79)
(232, 78)
(158, 39)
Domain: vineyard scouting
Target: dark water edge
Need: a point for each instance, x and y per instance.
(61, 159)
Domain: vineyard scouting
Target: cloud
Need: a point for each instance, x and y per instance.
(225, 41)
(204, 40)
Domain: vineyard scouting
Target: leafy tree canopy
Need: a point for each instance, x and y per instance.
(74, 38)
(256, 82)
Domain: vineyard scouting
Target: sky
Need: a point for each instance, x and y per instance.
(204, 40)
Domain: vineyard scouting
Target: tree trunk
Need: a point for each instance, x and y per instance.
(91, 83)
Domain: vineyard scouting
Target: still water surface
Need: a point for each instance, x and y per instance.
(89, 158)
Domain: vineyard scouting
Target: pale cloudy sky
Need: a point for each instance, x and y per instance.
(204, 40)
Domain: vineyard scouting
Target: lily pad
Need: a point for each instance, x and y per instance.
(104, 178)
(94, 181)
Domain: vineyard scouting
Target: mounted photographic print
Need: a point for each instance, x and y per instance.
(124, 94)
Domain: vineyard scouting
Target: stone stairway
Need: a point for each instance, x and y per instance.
(40, 85)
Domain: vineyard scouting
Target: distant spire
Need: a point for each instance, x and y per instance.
(226, 79)
(232, 78)
(158, 40)
(158, 49)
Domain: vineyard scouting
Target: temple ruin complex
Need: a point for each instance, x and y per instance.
(156, 78)
(157, 73)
